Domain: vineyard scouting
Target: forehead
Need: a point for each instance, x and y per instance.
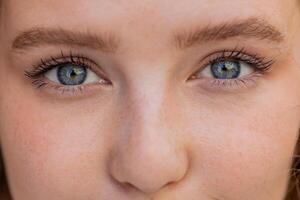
(155, 13)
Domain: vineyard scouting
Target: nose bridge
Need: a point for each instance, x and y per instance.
(147, 97)
(151, 118)
(149, 155)
(147, 100)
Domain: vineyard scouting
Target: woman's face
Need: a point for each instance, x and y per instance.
(149, 100)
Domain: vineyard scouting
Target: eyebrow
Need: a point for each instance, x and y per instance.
(249, 28)
(36, 37)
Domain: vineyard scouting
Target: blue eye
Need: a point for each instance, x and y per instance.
(225, 69)
(71, 75)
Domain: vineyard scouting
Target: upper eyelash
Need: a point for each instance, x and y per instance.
(260, 63)
(52, 62)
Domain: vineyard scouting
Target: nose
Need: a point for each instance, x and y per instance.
(149, 154)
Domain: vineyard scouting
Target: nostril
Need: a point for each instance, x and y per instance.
(127, 187)
(130, 187)
(124, 185)
(147, 188)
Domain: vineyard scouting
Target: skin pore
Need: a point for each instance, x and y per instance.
(152, 123)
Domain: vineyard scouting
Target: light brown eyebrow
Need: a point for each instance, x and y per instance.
(249, 28)
(41, 36)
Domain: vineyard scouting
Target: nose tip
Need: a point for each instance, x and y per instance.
(148, 169)
(147, 177)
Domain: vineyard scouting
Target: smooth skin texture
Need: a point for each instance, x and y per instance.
(154, 133)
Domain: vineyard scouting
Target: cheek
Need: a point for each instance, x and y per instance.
(245, 149)
(53, 145)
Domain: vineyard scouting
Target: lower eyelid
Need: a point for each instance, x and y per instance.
(227, 85)
(66, 91)
(76, 91)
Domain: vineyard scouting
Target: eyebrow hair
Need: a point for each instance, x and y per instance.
(41, 36)
(249, 28)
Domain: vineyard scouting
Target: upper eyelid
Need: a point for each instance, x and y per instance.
(44, 64)
(239, 54)
(232, 53)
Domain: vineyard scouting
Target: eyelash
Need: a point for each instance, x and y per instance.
(45, 65)
(52, 62)
(261, 66)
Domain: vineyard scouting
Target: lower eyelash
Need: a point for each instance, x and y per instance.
(39, 83)
(66, 91)
(232, 84)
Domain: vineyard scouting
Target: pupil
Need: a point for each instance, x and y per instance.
(73, 74)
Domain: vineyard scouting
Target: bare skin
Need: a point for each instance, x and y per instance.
(151, 122)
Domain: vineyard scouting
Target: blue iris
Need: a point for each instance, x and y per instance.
(226, 69)
(70, 74)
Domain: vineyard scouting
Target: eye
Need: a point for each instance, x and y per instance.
(227, 69)
(68, 75)
(231, 70)
(71, 74)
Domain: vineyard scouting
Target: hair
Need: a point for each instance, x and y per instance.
(293, 192)
(4, 191)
